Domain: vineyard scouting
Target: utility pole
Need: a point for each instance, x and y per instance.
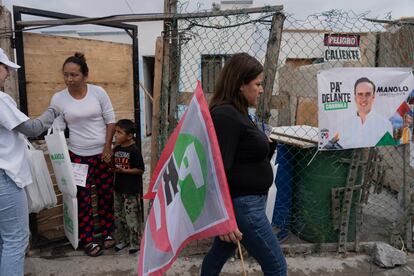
(169, 76)
(270, 65)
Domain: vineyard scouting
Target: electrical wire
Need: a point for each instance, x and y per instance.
(194, 24)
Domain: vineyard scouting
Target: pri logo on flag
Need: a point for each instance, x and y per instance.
(190, 192)
(191, 160)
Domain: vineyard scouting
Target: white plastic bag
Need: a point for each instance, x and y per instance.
(40, 194)
(62, 166)
(271, 196)
(70, 219)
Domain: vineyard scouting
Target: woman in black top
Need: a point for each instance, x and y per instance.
(245, 151)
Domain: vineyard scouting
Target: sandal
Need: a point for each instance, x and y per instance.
(93, 249)
(109, 242)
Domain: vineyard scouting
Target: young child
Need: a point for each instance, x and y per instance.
(129, 166)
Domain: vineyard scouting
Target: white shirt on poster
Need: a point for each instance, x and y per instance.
(355, 134)
(13, 159)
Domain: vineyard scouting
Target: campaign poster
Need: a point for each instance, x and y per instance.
(365, 107)
(340, 47)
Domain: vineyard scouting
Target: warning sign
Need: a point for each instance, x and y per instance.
(341, 47)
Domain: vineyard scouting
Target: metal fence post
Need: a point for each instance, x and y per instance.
(174, 76)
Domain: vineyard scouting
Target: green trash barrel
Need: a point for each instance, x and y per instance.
(312, 218)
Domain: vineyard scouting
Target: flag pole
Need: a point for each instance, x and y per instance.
(241, 258)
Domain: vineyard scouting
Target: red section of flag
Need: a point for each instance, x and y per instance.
(160, 231)
(403, 109)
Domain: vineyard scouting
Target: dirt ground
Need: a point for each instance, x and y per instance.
(62, 260)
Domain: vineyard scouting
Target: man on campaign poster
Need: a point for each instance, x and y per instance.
(364, 107)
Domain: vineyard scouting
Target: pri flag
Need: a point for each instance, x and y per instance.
(190, 192)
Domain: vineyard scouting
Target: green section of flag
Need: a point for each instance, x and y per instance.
(192, 197)
(335, 106)
(387, 140)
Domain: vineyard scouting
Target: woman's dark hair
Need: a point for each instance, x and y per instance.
(126, 125)
(240, 69)
(79, 59)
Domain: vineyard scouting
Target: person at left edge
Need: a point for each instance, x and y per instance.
(15, 174)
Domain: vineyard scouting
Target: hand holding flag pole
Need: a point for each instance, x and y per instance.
(235, 237)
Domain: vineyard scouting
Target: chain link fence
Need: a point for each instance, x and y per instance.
(315, 202)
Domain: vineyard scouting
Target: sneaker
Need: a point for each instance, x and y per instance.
(120, 246)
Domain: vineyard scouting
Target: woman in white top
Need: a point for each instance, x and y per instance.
(15, 174)
(87, 111)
